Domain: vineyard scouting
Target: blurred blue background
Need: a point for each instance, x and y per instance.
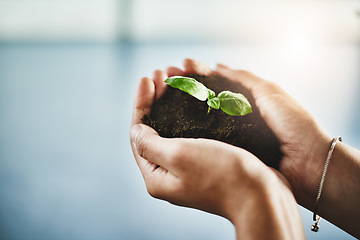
(68, 74)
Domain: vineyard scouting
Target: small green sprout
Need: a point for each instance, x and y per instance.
(231, 103)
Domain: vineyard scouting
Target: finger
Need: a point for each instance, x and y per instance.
(140, 135)
(153, 148)
(222, 66)
(174, 71)
(144, 99)
(247, 79)
(257, 86)
(160, 86)
(160, 183)
(195, 67)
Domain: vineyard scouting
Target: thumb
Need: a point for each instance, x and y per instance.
(148, 145)
(140, 135)
(136, 129)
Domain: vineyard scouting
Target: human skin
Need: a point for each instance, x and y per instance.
(305, 145)
(210, 175)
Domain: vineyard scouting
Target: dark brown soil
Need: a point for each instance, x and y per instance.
(177, 114)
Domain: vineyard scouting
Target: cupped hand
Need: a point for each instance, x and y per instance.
(188, 172)
(198, 173)
(206, 174)
(303, 142)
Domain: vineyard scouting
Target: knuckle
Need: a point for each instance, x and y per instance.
(157, 190)
(185, 185)
(271, 86)
(153, 191)
(142, 144)
(175, 153)
(181, 154)
(158, 73)
(243, 73)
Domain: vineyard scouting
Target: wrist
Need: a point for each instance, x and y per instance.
(271, 207)
(304, 170)
(340, 191)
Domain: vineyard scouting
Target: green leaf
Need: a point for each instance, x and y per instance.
(234, 104)
(189, 85)
(231, 103)
(214, 103)
(212, 94)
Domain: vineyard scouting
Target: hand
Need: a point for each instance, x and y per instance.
(211, 175)
(302, 140)
(305, 146)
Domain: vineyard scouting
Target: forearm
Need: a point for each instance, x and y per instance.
(340, 196)
(340, 199)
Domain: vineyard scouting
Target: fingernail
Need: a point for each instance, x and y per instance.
(134, 132)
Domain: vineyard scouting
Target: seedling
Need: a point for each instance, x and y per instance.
(234, 104)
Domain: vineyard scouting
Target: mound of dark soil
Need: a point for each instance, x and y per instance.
(177, 114)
